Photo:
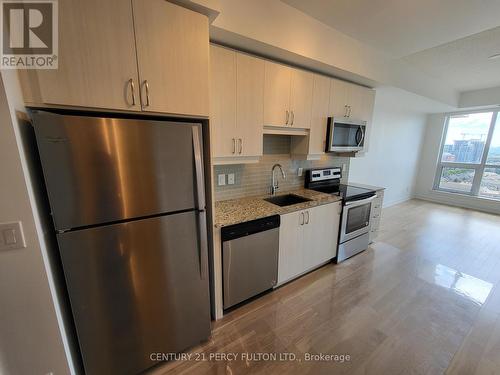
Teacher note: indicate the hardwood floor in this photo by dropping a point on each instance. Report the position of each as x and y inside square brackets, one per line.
[424, 299]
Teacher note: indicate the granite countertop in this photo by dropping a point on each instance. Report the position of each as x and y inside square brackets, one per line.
[234, 211]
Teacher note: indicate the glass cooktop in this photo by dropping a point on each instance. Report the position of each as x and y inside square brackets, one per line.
[347, 192]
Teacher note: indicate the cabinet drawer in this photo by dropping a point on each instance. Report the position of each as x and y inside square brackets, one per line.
[376, 212]
[373, 235]
[375, 224]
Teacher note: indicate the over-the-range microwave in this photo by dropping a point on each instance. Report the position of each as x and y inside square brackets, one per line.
[345, 135]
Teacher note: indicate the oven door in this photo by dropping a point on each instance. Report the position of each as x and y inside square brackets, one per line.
[356, 219]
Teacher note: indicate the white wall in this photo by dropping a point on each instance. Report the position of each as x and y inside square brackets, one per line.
[480, 98]
[395, 142]
[427, 171]
[31, 340]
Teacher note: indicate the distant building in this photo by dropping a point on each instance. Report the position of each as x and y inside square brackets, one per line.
[468, 151]
[464, 151]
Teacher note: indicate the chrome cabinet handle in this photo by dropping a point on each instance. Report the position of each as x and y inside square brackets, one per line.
[303, 220]
[241, 146]
[234, 145]
[345, 110]
[146, 85]
[293, 118]
[132, 89]
[307, 221]
[287, 116]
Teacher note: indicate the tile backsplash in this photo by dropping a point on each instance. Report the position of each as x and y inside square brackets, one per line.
[255, 179]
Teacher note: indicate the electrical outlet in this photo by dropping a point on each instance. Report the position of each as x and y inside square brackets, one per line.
[11, 236]
[230, 179]
[221, 179]
[299, 171]
[344, 167]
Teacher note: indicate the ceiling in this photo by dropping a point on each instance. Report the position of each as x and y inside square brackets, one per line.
[464, 63]
[450, 40]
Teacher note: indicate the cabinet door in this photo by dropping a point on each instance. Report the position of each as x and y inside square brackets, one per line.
[223, 101]
[301, 99]
[361, 100]
[339, 98]
[368, 102]
[97, 61]
[250, 104]
[319, 115]
[173, 58]
[321, 234]
[277, 84]
[290, 249]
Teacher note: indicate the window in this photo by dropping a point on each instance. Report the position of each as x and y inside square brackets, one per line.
[469, 162]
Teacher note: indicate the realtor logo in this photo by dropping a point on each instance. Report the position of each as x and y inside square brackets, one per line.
[29, 34]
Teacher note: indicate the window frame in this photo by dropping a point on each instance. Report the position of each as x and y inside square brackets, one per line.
[478, 168]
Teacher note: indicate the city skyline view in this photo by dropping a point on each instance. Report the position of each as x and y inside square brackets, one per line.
[465, 143]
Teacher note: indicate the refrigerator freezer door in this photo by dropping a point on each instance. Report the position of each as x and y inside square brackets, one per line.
[100, 170]
[135, 289]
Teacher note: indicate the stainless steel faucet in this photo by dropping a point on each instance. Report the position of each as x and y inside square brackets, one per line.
[274, 182]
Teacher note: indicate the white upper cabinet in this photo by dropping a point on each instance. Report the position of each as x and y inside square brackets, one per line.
[277, 84]
[172, 55]
[223, 101]
[301, 96]
[236, 105]
[126, 55]
[287, 96]
[313, 145]
[339, 98]
[362, 100]
[351, 101]
[249, 105]
[97, 60]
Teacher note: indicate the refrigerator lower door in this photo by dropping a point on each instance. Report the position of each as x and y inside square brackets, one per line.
[101, 170]
[136, 288]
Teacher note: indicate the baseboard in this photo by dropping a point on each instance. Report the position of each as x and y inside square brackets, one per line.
[485, 206]
[397, 201]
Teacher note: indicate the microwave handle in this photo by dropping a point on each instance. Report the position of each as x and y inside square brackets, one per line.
[362, 136]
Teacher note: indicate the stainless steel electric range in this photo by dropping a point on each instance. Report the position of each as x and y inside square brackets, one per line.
[356, 211]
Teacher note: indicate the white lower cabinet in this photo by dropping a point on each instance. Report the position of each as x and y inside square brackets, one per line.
[308, 238]
[376, 214]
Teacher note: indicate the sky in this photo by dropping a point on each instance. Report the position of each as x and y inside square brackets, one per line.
[473, 126]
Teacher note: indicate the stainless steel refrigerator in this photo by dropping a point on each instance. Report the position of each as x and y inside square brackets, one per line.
[128, 203]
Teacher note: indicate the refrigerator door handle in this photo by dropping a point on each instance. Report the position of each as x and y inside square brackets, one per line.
[202, 221]
[198, 164]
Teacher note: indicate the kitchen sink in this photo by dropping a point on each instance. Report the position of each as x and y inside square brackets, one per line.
[286, 200]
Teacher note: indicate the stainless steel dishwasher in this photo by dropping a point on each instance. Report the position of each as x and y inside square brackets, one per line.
[249, 259]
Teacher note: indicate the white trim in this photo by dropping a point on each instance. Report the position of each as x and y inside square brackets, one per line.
[460, 200]
[478, 168]
[397, 201]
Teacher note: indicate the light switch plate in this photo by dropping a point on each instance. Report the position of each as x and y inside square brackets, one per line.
[11, 236]
[221, 179]
[299, 171]
[230, 179]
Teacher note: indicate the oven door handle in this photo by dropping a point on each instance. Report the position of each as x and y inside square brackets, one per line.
[360, 202]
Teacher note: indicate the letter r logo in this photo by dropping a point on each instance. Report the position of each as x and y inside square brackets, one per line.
[27, 27]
